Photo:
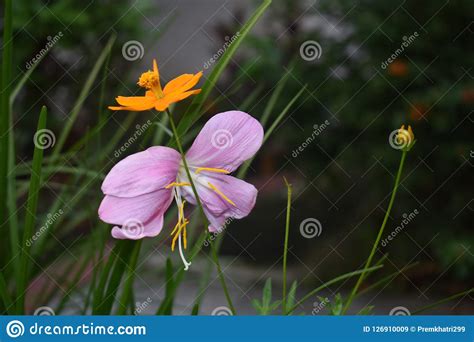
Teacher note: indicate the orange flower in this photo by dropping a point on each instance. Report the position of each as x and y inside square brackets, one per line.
[156, 97]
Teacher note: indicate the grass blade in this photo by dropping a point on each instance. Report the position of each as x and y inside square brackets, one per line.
[194, 111]
[5, 122]
[285, 248]
[82, 97]
[330, 282]
[30, 215]
[127, 293]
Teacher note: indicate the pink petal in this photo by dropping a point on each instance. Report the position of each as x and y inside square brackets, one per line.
[133, 230]
[142, 172]
[140, 209]
[217, 209]
[226, 141]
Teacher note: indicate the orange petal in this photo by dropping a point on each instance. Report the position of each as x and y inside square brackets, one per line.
[182, 83]
[136, 103]
[175, 97]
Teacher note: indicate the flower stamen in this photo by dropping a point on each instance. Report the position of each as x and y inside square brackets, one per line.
[211, 169]
[213, 187]
[177, 184]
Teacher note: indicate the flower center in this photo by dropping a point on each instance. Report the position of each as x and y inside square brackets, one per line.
[150, 80]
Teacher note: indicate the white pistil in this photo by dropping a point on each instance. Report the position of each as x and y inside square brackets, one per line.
[185, 262]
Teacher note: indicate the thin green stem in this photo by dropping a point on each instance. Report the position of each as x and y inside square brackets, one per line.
[221, 277]
[329, 283]
[457, 295]
[198, 202]
[379, 236]
[285, 249]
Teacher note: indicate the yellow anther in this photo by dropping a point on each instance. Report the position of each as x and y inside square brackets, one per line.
[149, 80]
[211, 169]
[180, 227]
[221, 194]
[177, 184]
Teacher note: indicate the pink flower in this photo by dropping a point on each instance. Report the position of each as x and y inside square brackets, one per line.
[140, 188]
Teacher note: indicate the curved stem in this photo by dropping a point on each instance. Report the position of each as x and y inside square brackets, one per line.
[285, 248]
[379, 236]
[198, 202]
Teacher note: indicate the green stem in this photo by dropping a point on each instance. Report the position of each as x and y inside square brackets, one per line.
[221, 277]
[127, 293]
[198, 202]
[457, 295]
[329, 283]
[285, 249]
[379, 236]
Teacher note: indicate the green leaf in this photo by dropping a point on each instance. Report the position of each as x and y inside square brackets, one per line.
[127, 293]
[194, 111]
[30, 214]
[85, 92]
[333, 281]
[5, 124]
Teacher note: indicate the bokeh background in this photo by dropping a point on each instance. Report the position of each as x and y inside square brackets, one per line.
[342, 178]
